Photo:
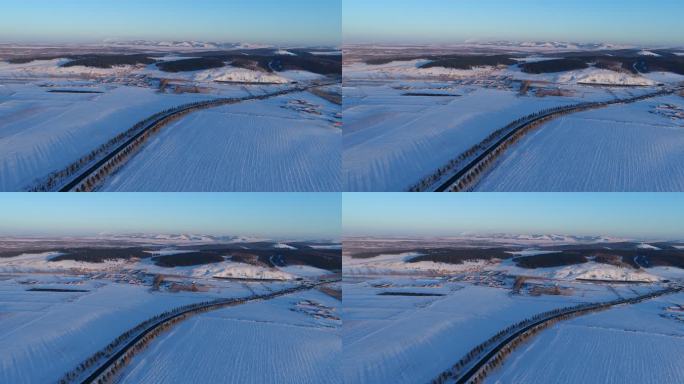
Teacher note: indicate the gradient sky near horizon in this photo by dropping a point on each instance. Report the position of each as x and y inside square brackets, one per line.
[275, 215]
[297, 22]
[653, 22]
[633, 215]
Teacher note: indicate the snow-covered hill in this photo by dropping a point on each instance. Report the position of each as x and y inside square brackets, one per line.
[602, 76]
[182, 45]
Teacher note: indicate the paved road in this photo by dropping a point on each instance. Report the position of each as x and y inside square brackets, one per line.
[93, 377]
[444, 187]
[472, 372]
[642, 261]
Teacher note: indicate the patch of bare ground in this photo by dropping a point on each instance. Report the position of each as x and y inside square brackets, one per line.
[555, 290]
[335, 293]
[333, 97]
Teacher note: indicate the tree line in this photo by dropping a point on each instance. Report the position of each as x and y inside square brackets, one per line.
[515, 128]
[544, 320]
[149, 329]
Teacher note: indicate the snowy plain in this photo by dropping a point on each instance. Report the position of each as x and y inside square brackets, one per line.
[261, 342]
[45, 334]
[402, 122]
[41, 131]
[51, 116]
[620, 148]
[409, 339]
[627, 344]
[407, 322]
[252, 146]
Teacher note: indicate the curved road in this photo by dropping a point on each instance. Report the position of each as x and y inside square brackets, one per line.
[82, 176]
[472, 372]
[93, 377]
[86, 173]
[445, 186]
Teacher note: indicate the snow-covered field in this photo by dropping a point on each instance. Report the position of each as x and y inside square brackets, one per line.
[288, 143]
[592, 76]
[44, 129]
[55, 314]
[276, 341]
[630, 344]
[392, 140]
[395, 134]
[397, 264]
[410, 339]
[45, 334]
[620, 148]
[43, 262]
[41, 132]
[407, 322]
[587, 271]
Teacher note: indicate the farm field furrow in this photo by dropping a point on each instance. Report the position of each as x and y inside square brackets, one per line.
[621, 148]
[629, 344]
[253, 146]
[268, 344]
[48, 333]
[41, 132]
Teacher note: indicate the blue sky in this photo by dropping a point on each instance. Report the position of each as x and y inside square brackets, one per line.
[288, 215]
[637, 215]
[315, 22]
[652, 22]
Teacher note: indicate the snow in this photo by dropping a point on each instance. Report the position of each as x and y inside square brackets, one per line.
[326, 53]
[169, 252]
[41, 262]
[500, 45]
[53, 68]
[619, 148]
[644, 52]
[627, 344]
[647, 246]
[399, 264]
[239, 75]
[261, 342]
[283, 246]
[503, 239]
[45, 334]
[531, 252]
[410, 69]
[41, 132]
[596, 271]
[587, 76]
[241, 271]
[304, 271]
[404, 339]
[393, 141]
[177, 238]
[664, 77]
[603, 76]
[667, 272]
[251, 146]
[300, 76]
[284, 52]
[331, 246]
